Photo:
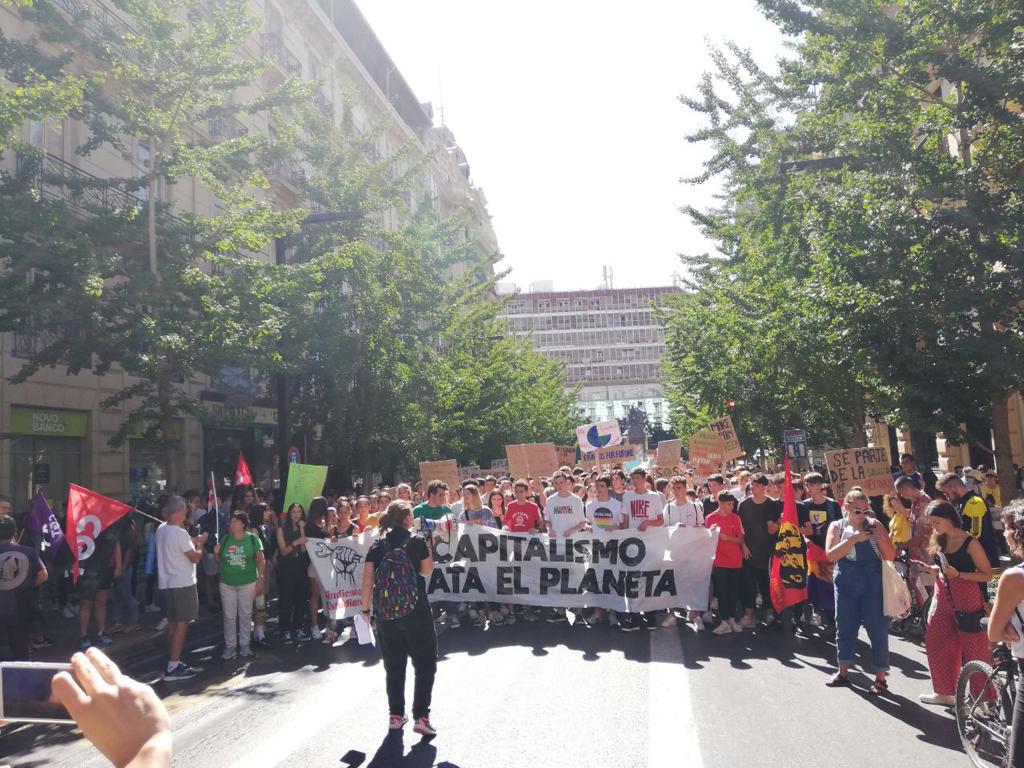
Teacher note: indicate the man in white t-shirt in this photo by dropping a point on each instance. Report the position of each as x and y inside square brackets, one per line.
[642, 507]
[563, 513]
[604, 513]
[177, 554]
[564, 509]
[684, 509]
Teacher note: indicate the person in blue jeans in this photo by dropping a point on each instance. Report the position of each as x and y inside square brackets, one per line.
[858, 544]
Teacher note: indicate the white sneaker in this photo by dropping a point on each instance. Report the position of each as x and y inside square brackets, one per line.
[315, 632]
[152, 608]
[698, 625]
[736, 626]
[747, 622]
[613, 619]
[725, 628]
[937, 699]
[161, 626]
[67, 612]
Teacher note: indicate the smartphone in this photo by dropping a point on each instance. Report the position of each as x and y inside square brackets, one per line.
[26, 693]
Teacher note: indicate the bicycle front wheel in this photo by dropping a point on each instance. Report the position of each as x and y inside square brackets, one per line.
[981, 692]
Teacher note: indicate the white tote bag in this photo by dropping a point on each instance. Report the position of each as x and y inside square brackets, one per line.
[895, 595]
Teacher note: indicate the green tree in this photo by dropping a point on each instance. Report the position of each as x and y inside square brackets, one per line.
[917, 230]
[163, 298]
[33, 86]
[400, 357]
[751, 324]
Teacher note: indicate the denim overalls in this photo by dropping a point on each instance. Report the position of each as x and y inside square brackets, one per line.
[858, 590]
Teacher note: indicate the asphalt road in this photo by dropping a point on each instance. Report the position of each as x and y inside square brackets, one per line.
[551, 696]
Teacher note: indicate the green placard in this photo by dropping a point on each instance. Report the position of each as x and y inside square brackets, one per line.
[44, 422]
[304, 482]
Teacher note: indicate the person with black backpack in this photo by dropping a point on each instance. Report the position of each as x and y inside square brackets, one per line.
[394, 585]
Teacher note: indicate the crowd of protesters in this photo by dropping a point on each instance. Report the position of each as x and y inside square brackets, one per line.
[233, 558]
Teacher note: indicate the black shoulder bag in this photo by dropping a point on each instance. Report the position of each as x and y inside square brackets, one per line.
[966, 621]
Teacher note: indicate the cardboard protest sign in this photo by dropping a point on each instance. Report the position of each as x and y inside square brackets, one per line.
[707, 451]
[446, 470]
[566, 455]
[304, 482]
[618, 454]
[669, 453]
[532, 459]
[724, 427]
[867, 468]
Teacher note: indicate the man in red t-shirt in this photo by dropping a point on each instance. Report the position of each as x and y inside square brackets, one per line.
[522, 515]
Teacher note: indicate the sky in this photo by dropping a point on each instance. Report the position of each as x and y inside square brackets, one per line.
[568, 112]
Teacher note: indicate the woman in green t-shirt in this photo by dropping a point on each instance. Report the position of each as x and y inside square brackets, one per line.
[242, 577]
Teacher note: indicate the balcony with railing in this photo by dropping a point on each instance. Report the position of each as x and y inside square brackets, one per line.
[272, 46]
[227, 127]
[57, 179]
[98, 21]
[324, 105]
[33, 340]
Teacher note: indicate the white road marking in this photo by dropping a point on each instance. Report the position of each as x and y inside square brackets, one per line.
[672, 736]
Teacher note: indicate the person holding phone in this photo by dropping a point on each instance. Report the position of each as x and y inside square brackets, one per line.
[857, 545]
[963, 571]
[21, 571]
[178, 554]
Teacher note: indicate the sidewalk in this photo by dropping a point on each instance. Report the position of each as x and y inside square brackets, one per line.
[136, 652]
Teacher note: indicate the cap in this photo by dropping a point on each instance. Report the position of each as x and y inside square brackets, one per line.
[8, 528]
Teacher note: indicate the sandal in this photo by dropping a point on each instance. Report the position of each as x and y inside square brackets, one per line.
[838, 681]
[878, 688]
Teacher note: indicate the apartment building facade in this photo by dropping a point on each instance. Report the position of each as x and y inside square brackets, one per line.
[610, 341]
[53, 429]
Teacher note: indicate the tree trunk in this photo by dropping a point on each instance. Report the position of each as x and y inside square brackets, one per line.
[168, 441]
[857, 416]
[1003, 450]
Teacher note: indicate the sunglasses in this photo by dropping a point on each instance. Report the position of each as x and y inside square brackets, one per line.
[859, 511]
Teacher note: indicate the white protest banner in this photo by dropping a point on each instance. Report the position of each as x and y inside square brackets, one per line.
[727, 431]
[468, 473]
[339, 567]
[601, 434]
[621, 570]
[867, 468]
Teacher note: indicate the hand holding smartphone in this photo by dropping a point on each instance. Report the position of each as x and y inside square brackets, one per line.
[26, 692]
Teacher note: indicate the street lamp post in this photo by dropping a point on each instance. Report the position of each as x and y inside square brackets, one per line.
[283, 420]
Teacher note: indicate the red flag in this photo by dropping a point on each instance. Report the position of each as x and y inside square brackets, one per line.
[789, 562]
[242, 474]
[89, 514]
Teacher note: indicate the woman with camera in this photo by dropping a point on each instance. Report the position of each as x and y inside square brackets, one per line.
[1004, 624]
[955, 634]
[858, 544]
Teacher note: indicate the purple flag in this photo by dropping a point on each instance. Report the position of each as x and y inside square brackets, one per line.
[42, 519]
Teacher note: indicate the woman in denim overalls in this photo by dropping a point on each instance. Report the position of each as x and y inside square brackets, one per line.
[857, 544]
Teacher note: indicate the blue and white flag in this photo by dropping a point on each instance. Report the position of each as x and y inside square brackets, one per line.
[602, 434]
